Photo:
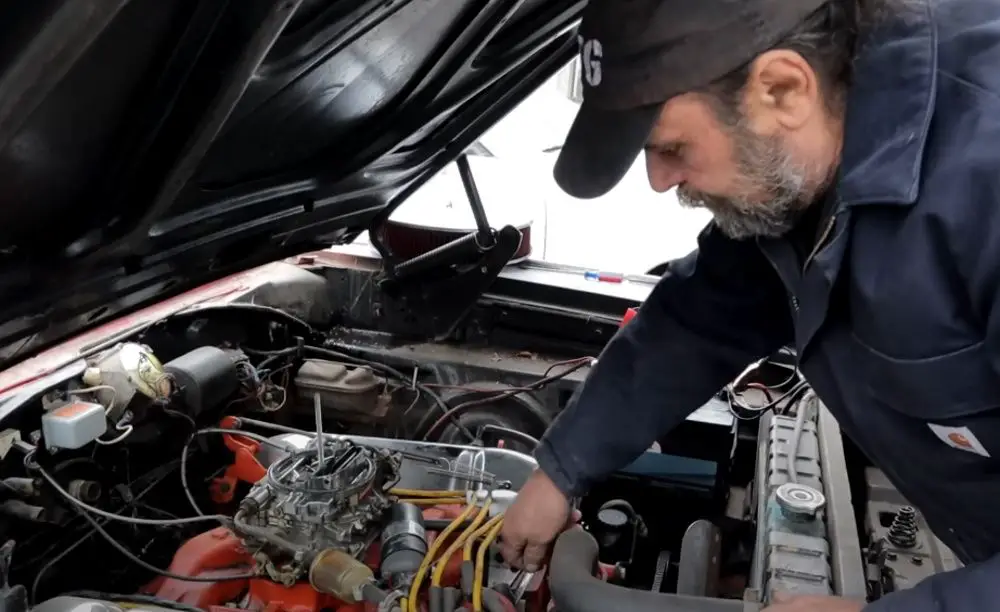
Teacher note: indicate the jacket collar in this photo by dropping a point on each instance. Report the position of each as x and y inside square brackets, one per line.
[889, 109]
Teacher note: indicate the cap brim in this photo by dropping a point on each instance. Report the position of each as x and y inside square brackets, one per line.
[601, 147]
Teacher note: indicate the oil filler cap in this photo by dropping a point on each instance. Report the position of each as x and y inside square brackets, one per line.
[799, 500]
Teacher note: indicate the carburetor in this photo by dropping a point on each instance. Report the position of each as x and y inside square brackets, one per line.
[331, 495]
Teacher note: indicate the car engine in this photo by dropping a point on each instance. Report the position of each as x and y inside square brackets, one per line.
[324, 497]
[220, 466]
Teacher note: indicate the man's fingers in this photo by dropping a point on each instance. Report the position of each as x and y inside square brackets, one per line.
[783, 602]
[534, 554]
[512, 550]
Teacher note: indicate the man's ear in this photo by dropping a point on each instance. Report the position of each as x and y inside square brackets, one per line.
[782, 92]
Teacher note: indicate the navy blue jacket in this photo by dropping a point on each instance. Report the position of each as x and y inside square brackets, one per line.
[895, 316]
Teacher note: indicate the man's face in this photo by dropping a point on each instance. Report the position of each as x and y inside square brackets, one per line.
[755, 169]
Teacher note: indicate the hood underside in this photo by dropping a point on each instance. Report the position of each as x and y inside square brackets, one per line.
[149, 146]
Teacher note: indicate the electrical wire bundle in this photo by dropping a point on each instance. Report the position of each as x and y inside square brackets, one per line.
[442, 599]
[385, 370]
[479, 530]
[123, 425]
[777, 396]
[145, 485]
[257, 383]
[452, 414]
[88, 512]
[446, 414]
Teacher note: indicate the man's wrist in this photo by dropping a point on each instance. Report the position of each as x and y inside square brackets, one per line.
[570, 485]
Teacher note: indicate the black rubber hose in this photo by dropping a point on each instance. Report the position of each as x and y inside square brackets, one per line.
[373, 594]
[452, 598]
[441, 524]
[468, 569]
[575, 588]
[436, 599]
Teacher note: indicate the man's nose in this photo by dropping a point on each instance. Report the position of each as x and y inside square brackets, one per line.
[663, 176]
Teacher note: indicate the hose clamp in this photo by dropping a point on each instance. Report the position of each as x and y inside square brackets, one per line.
[390, 602]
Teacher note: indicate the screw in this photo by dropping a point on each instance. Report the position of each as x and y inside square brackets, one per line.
[891, 556]
[917, 561]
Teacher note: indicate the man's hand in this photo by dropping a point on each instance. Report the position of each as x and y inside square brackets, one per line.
[537, 516]
[781, 602]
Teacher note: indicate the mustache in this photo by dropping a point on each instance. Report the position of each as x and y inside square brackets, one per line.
[741, 218]
[692, 198]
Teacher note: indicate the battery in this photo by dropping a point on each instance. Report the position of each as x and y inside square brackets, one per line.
[73, 425]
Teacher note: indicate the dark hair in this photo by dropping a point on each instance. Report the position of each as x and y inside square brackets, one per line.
[827, 39]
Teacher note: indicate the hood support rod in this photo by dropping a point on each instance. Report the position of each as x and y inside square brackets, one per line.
[486, 237]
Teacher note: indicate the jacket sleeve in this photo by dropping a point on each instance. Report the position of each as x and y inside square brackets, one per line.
[971, 589]
[714, 312]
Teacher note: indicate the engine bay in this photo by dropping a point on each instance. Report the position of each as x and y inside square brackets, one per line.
[233, 458]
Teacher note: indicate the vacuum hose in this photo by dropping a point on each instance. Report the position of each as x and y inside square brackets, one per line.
[575, 588]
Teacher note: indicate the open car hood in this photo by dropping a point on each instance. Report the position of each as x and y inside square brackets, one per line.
[150, 146]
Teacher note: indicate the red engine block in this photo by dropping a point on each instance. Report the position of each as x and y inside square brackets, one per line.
[219, 553]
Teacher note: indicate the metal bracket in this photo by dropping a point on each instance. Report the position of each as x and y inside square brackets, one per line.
[431, 293]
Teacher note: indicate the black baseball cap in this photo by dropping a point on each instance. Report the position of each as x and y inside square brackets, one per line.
[637, 54]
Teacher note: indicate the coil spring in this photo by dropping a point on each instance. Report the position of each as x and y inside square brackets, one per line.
[903, 531]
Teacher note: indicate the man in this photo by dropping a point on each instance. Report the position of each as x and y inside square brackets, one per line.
[850, 153]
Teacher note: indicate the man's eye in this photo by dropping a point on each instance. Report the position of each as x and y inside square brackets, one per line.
[672, 150]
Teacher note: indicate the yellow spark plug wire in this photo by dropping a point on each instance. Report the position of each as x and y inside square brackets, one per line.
[442, 564]
[477, 582]
[425, 493]
[431, 552]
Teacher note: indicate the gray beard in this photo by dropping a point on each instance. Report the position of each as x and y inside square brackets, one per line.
[742, 220]
[766, 169]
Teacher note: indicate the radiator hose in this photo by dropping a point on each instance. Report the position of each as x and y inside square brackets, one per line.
[575, 588]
